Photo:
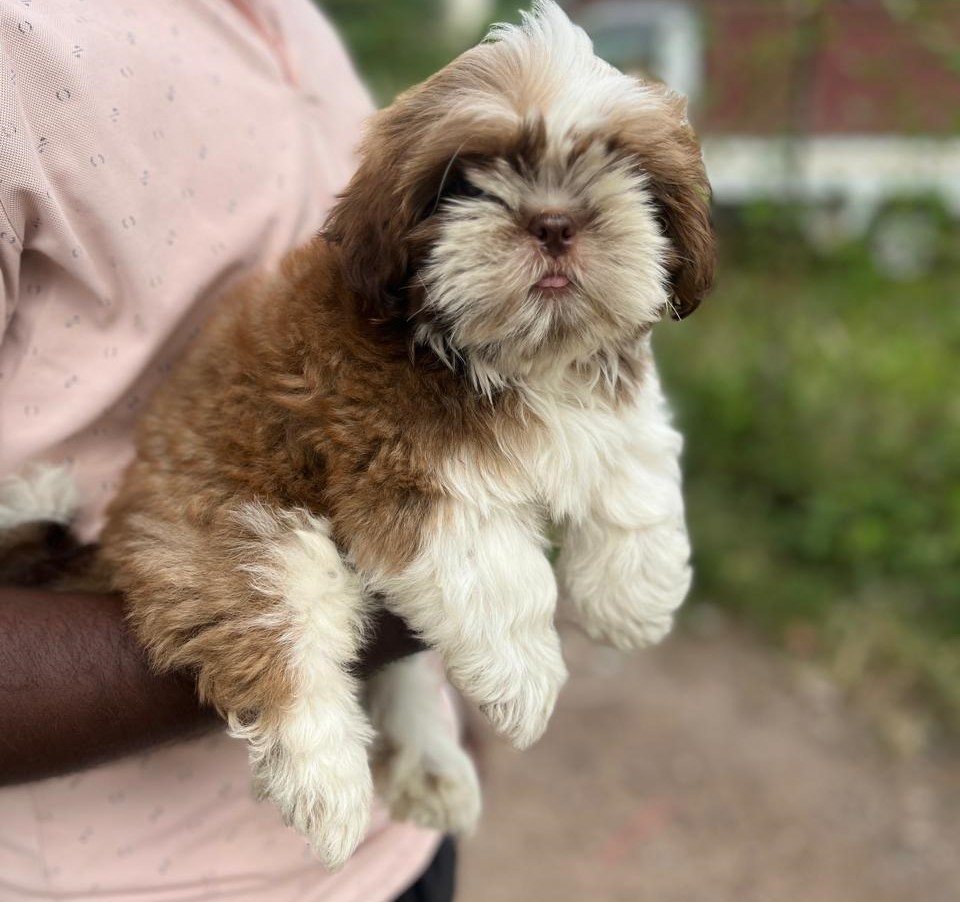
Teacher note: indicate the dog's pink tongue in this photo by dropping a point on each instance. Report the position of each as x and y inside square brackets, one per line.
[553, 282]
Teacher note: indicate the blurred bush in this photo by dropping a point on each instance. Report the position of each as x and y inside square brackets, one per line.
[396, 44]
[822, 417]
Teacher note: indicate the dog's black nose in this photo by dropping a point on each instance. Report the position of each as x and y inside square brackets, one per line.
[554, 230]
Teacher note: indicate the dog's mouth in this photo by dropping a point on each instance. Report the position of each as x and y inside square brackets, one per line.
[554, 282]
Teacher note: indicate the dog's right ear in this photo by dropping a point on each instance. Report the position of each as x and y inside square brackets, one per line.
[371, 219]
[660, 138]
[409, 150]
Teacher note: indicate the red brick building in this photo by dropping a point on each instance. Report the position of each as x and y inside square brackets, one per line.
[820, 66]
[850, 108]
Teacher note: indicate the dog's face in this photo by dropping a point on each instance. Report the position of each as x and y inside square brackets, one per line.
[528, 201]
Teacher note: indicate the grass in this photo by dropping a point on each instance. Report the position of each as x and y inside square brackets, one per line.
[822, 414]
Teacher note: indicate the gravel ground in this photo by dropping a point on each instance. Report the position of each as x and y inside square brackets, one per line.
[711, 769]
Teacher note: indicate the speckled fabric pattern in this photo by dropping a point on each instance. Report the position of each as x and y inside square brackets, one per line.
[152, 154]
[179, 824]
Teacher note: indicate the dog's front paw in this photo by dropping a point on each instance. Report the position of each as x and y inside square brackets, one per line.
[435, 787]
[325, 794]
[518, 700]
[630, 629]
[627, 593]
[522, 716]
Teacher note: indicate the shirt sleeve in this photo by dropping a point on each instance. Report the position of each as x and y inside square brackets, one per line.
[10, 247]
[12, 136]
[326, 75]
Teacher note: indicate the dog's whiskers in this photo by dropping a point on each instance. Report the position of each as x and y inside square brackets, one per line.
[446, 172]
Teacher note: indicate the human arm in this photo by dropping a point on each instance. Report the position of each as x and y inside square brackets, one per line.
[76, 690]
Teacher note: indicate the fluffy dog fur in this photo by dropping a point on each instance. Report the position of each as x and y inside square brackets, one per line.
[396, 415]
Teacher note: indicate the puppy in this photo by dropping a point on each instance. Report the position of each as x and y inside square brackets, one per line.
[395, 417]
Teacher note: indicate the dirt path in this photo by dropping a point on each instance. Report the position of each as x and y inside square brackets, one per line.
[710, 769]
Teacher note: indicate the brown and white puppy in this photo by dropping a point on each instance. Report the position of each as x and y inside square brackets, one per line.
[398, 413]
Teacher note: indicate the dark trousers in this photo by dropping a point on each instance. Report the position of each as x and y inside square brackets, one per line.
[437, 882]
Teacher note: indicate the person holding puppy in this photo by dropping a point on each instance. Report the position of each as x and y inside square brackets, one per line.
[151, 157]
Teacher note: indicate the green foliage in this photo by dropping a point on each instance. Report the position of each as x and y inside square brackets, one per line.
[393, 44]
[396, 44]
[880, 656]
[822, 417]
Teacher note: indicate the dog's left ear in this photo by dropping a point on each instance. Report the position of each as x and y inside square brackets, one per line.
[374, 215]
[669, 154]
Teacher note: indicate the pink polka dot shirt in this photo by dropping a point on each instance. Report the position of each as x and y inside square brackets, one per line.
[152, 153]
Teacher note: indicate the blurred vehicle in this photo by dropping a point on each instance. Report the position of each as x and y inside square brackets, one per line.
[846, 111]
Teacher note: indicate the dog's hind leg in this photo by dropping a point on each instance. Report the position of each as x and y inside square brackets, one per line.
[258, 604]
[422, 773]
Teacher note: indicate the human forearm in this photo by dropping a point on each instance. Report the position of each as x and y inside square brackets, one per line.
[76, 690]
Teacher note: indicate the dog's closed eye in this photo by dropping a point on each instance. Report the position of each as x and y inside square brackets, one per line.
[461, 186]
[456, 185]
[466, 188]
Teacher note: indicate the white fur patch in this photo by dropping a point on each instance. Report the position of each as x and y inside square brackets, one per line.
[584, 89]
[625, 561]
[312, 762]
[576, 440]
[40, 492]
[425, 776]
[611, 478]
[483, 594]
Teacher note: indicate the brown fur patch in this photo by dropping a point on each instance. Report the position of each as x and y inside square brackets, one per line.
[407, 151]
[291, 397]
[664, 145]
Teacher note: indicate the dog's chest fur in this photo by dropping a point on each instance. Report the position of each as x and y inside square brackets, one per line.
[555, 459]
